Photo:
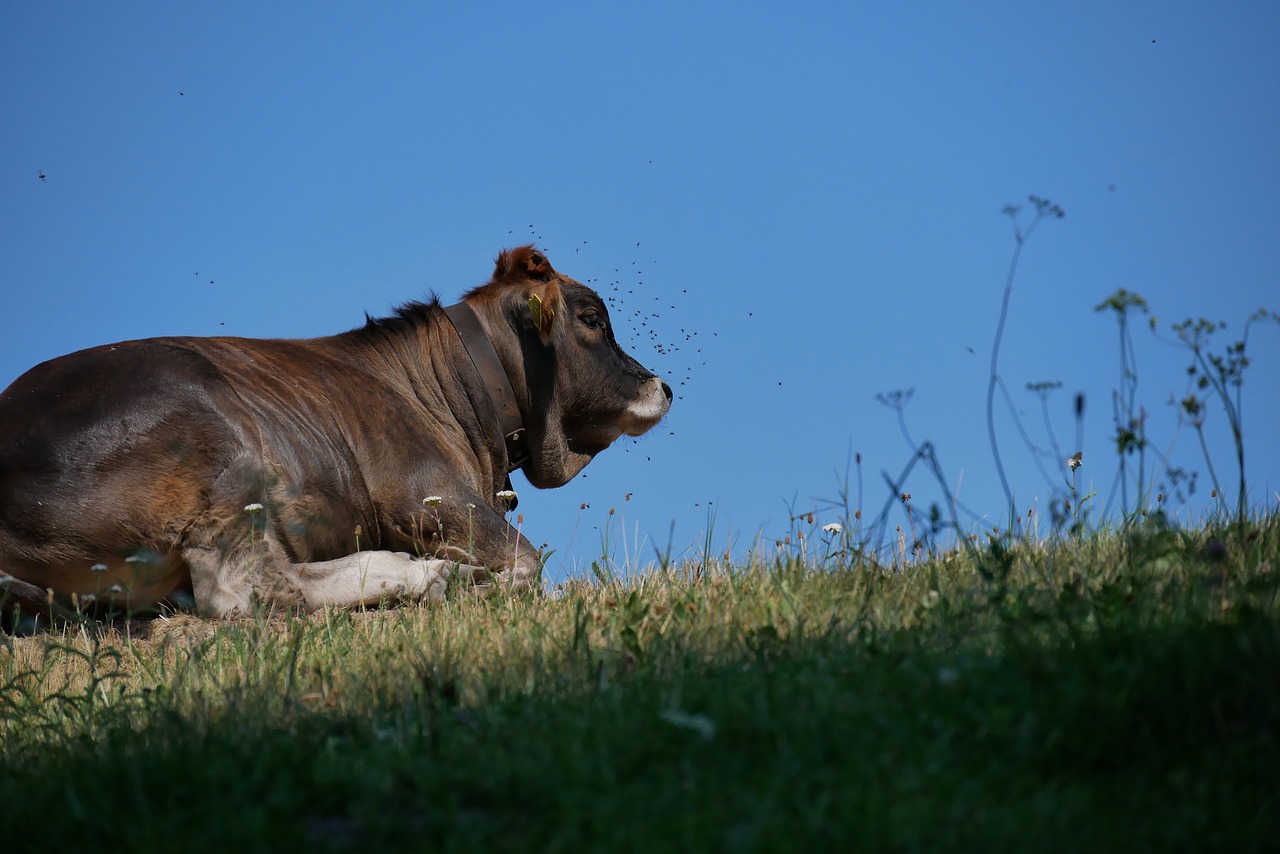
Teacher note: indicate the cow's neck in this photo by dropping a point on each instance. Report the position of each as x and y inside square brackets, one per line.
[494, 379]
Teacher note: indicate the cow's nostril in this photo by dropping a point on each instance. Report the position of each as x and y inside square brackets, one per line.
[666, 389]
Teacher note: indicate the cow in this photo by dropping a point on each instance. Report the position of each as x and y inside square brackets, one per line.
[356, 469]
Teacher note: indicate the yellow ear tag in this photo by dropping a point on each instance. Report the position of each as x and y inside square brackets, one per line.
[535, 309]
[541, 319]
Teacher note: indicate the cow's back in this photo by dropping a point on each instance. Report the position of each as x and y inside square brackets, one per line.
[113, 448]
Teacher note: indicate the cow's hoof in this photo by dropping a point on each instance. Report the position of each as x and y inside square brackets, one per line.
[469, 575]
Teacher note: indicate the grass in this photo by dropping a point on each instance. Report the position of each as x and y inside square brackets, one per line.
[1106, 688]
[1119, 690]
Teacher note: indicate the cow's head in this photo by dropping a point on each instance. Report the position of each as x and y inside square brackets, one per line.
[576, 388]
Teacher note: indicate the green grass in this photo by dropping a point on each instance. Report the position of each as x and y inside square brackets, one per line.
[1119, 691]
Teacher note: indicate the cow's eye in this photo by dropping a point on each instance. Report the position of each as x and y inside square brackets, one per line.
[593, 320]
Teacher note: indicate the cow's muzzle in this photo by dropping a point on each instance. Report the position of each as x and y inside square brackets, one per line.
[647, 409]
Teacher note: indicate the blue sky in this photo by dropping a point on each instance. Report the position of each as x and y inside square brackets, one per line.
[808, 200]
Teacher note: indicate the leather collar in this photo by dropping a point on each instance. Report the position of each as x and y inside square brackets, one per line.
[494, 379]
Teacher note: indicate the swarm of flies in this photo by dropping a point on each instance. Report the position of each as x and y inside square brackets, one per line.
[647, 318]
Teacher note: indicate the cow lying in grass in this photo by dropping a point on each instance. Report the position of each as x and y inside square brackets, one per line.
[340, 471]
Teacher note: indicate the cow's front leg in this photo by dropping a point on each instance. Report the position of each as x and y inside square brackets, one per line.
[499, 556]
[364, 578]
[225, 585]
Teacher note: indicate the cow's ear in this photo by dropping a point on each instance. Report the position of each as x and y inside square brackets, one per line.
[523, 262]
[538, 267]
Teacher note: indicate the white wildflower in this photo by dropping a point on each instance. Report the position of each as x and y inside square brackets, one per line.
[255, 507]
[433, 501]
[99, 567]
[507, 495]
[833, 528]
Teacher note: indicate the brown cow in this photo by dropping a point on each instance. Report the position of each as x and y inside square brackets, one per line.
[351, 469]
